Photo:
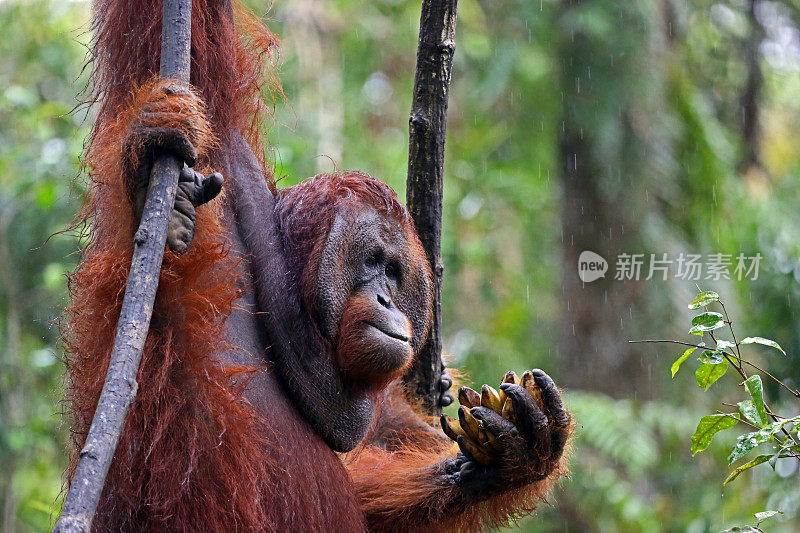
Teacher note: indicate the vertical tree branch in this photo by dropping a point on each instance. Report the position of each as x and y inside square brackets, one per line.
[428, 129]
[119, 390]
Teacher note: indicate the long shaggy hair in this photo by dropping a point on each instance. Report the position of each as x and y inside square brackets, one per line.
[231, 52]
[192, 450]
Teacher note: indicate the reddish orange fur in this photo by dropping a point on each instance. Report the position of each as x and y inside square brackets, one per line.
[194, 455]
[396, 491]
[306, 212]
[230, 51]
[192, 451]
[191, 404]
[184, 111]
[357, 358]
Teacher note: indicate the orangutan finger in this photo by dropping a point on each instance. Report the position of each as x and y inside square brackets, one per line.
[468, 397]
[558, 440]
[551, 399]
[493, 422]
[531, 421]
[473, 451]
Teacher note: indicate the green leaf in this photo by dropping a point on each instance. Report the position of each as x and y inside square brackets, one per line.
[750, 413]
[724, 345]
[703, 299]
[712, 357]
[763, 515]
[709, 426]
[707, 373]
[744, 444]
[757, 461]
[748, 441]
[708, 321]
[678, 362]
[775, 427]
[756, 390]
[742, 529]
[763, 342]
[774, 459]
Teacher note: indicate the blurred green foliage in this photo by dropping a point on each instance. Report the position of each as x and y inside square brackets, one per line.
[40, 142]
[347, 70]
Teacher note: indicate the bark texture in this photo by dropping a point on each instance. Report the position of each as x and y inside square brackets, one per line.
[424, 185]
[119, 390]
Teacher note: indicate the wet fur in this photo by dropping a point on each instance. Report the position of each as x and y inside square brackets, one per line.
[393, 473]
[194, 452]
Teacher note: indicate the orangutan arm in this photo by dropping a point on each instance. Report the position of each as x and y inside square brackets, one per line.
[501, 472]
[169, 118]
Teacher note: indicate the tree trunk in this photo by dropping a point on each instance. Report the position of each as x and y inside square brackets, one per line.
[428, 128]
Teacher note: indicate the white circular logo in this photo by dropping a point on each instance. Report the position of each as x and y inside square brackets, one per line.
[591, 266]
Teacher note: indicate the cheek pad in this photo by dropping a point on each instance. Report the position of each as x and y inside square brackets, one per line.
[334, 278]
[415, 301]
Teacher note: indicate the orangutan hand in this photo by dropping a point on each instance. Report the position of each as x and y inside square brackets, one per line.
[171, 120]
[511, 437]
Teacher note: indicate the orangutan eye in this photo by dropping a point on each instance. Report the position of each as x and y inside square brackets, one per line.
[393, 271]
[373, 259]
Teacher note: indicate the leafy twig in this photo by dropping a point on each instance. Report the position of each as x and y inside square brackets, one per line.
[733, 335]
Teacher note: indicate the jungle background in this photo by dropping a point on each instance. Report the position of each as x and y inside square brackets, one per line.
[675, 121]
